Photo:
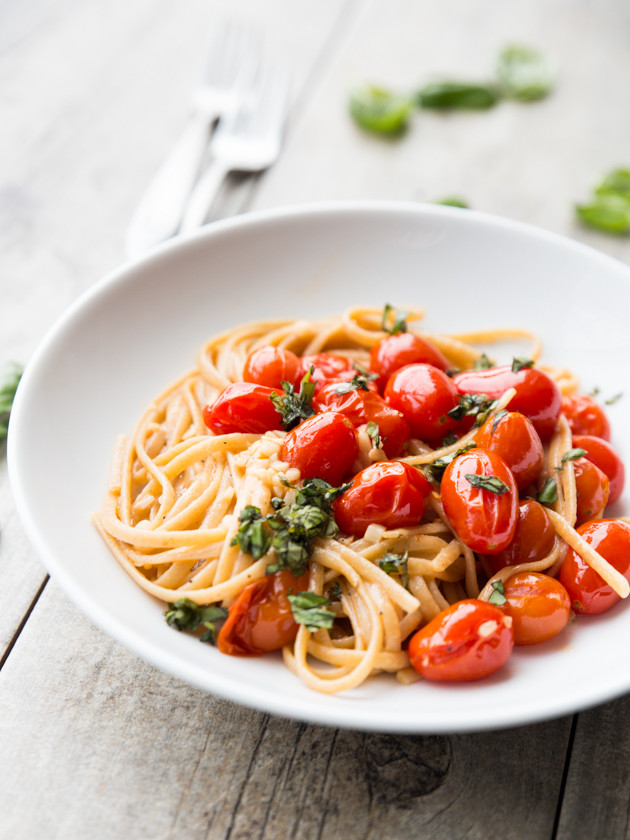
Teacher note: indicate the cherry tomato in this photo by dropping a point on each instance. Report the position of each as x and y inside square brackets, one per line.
[588, 591]
[592, 487]
[389, 493]
[260, 619]
[360, 407]
[396, 351]
[243, 407]
[539, 606]
[485, 521]
[328, 367]
[324, 446]
[537, 395]
[271, 366]
[602, 454]
[514, 438]
[585, 416]
[468, 641]
[424, 395]
[533, 539]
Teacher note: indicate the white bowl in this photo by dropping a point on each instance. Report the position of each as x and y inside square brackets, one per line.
[135, 331]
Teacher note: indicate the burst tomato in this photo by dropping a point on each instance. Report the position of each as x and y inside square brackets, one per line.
[395, 351]
[271, 366]
[324, 446]
[585, 416]
[484, 520]
[602, 454]
[589, 593]
[537, 395]
[539, 607]
[424, 395]
[360, 407]
[260, 619]
[514, 438]
[243, 407]
[389, 493]
[468, 641]
[592, 487]
[533, 538]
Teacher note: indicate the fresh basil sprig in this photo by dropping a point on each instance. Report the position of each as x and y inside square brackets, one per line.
[450, 95]
[9, 381]
[609, 209]
[310, 610]
[380, 111]
[524, 74]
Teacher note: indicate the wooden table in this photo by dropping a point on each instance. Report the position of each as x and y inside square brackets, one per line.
[93, 742]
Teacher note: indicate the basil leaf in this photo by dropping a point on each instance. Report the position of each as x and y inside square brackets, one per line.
[453, 201]
[393, 321]
[497, 596]
[520, 362]
[396, 564]
[310, 609]
[292, 407]
[613, 400]
[524, 74]
[487, 482]
[472, 405]
[357, 383]
[374, 434]
[380, 111]
[483, 363]
[549, 493]
[609, 213]
[9, 381]
[497, 419]
[185, 614]
[616, 182]
[572, 455]
[435, 470]
[252, 536]
[453, 94]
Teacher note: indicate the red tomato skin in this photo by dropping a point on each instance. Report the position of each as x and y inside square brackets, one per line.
[388, 493]
[324, 446]
[271, 366]
[485, 521]
[260, 619]
[585, 416]
[589, 593]
[360, 407]
[602, 454]
[328, 367]
[451, 648]
[424, 395]
[539, 607]
[242, 407]
[514, 438]
[537, 395]
[396, 351]
[592, 487]
[533, 538]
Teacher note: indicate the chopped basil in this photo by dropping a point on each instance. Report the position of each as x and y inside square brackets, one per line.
[594, 392]
[497, 419]
[393, 321]
[359, 382]
[449, 95]
[435, 470]
[252, 536]
[572, 455]
[520, 362]
[472, 405]
[613, 400]
[336, 592]
[487, 482]
[549, 493]
[453, 201]
[497, 596]
[380, 111]
[9, 381]
[292, 407]
[396, 564]
[483, 363]
[449, 439]
[523, 74]
[185, 614]
[374, 433]
[310, 609]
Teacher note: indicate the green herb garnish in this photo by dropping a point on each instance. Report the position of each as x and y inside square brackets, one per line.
[294, 407]
[310, 610]
[521, 362]
[487, 482]
[449, 95]
[472, 405]
[453, 201]
[374, 433]
[572, 455]
[497, 596]
[483, 363]
[359, 382]
[497, 419]
[524, 74]
[396, 564]
[435, 470]
[185, 614]
[612, 400]
[380, 111]
[616, 182]
[549, 493]
[393, 321]
[609, 213]
[252, 536]
[9, 381]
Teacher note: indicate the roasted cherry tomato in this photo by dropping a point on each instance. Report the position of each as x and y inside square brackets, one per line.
[539, 606]
[602, 454]
[588, 591]
[260, 619]
[396, 351]
[585, 416]
[361, 407]
[533, 539]
[389, 493]
[514, 438]
[537, 395]
[271, 366]
[328, 367]
[484, 520]
[243, 407]
[468, 641]
[424, 395]
[592, 487]
[324, 446]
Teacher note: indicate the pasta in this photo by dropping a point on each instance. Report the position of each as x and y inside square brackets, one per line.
[178, 490]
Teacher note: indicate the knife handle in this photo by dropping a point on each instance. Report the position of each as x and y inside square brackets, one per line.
[158, 215]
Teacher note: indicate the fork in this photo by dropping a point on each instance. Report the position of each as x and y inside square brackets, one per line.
[159, 212]
[247, 139]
